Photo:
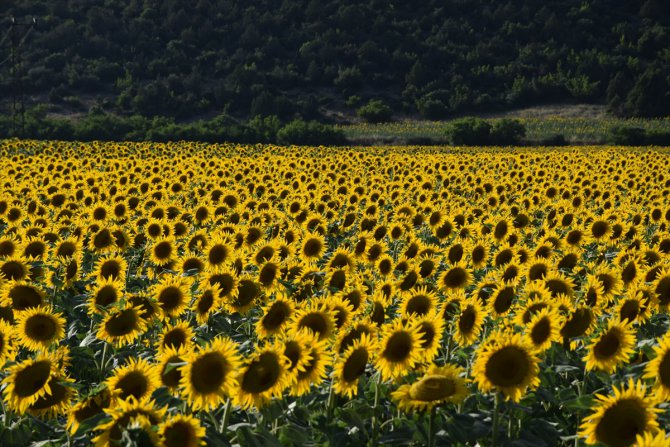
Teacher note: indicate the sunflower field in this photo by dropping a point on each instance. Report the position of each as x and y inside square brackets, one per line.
[187, 294]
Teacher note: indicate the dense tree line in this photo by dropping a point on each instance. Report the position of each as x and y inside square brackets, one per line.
[290, 58]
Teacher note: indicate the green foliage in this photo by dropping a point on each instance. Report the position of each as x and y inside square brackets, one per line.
[469, 131]
[301, 132]
[628, 136]
[507, 132]
[375, 111]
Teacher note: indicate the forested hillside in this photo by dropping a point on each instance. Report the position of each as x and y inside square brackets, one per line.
[309, 58]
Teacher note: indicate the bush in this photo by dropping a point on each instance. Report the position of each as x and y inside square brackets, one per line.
[658, 138]
[628, 136]
[301, 132]
[507, 132]
[375, 111]
[469, 132]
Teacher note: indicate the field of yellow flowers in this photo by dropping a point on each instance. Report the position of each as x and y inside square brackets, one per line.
[187, 294]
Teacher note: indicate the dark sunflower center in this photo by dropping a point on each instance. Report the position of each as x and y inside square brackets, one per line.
[170, 298]
[172, 377]
[110, 269]
[276, 316]
[340, 260]
[663, 290]
[24, 297]
[163, 250]
[608, 345]
[206, 301]
[354, 366]
[427, 332]
[122, 323]
[66, 249]
[180, 434]
[58, 394]
[32, 378]
[316, 322]
[578, 324]
[455, 278]
[262, 374]
[106, 296]
[398, 347]
[102, 239]
[467, 320]
[621, 423]
[246, 293]
[310, 365]
[419, 305]
[558, 286]
[312, 247]
[508, 367]
[629, 310]
[225, 281]
[503, 300]
[41, 327]
[268, 274]
[135, 384]
[541, 331]
[599, 228]
[217, 254]
[209, 372]
[174, 338]
[537, 271]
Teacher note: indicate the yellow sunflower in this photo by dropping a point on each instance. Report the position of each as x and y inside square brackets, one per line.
[39, 328]
[506, 363]
[122, 326]
[137, 379]
[181, 430]
[350, 365]
[263, 376]
[611, 348]
[659, 369]
[439, 385]
[209, 376]
[28, 381]
[617, 420]
[399, 349]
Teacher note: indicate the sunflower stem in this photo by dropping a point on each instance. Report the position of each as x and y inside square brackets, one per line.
[496, 420]
[431, 428]
[373, 438]
[226, 416]
[102, 361]
[331, 402]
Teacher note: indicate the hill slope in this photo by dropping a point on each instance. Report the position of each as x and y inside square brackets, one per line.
[290, 57]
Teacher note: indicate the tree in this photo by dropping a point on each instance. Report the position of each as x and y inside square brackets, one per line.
[375, 111]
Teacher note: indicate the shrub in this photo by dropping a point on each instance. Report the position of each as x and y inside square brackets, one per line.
[309, 133]
[469, 132]
[375, 111]
[507, 132]
[628, 136]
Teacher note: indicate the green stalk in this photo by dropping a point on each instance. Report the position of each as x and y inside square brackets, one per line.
[226, 416]
[331, 402]
[431, 428]
[496, 421]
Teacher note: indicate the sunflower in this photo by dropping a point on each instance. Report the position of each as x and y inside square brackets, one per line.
[350, 365]
[225, 279]
[317, 360]
[246, 295]
[7, 342]
[340, 258]
[67, 248]
[205, 304]
[169, 363]
[430, 329]
[14, 269]
[263, 376]
[112, 267]
[469, 320]
[312, 247]
[439, 385]
[130, 414]
[457, 276]
[177, 335]
[163, 251]
[352, 332]
[316, 319]
[502, 298]
[218, 251]
[190, 264]
[635, 306]
[122, 326]
[617, 420]
[659, 369]
[611, 348]
[137, 379]
[275, 317]
[506, 363]
[58, 401]
[579, 323]
[399, 349]
[21, 295]
[172, 296]
[210, 374]
[28, 381]
[661, 289]
[419, 302]
[102, 294]
[651, 439]
[543, 329]
[87, 408]
[181, 431]
[39, 328]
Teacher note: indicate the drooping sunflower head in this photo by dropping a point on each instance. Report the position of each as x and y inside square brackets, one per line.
[28, 381]
[21, 295]
[122, 326]
[350, 365]
[58, 401]
[14, 269]
[439, 385]
[469, 320]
